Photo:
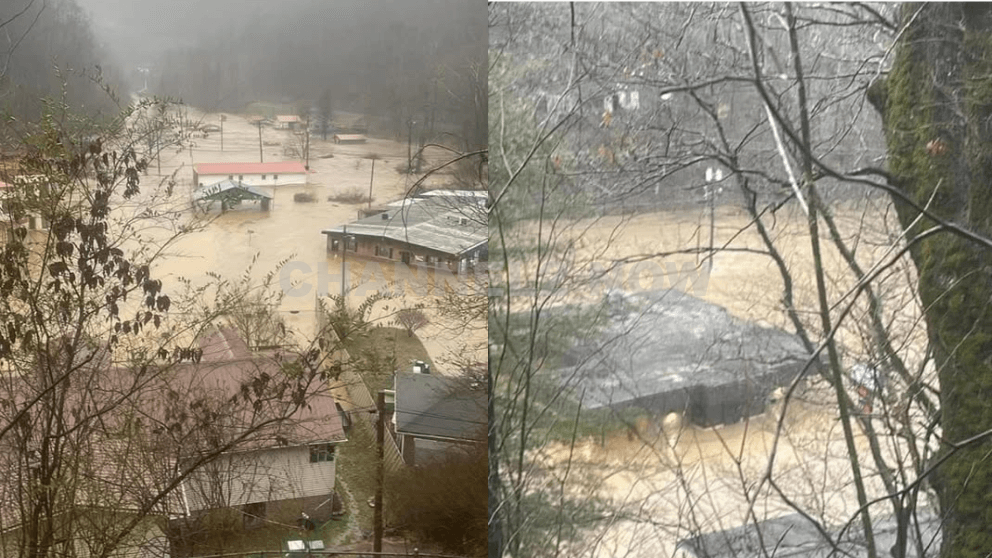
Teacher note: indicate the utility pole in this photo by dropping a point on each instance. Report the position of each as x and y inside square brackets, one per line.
[344, 256]
[433, 107]
[420, 152]
[222, 119]
[370, 182]
[306, 148]
[409, 145]
[158, 146]
[713, 177]
[260, 159]
[380, 405]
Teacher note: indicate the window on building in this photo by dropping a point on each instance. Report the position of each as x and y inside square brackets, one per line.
[254, 515]
[230, 177]
[263, 177]
[241, 177]
[275, 177]
[321, 452]
[390, 253]
[255, 509]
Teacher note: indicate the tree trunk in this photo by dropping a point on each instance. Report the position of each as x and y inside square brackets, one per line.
[495, 528]
[937, 110]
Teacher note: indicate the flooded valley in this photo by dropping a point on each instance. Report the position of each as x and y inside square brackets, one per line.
[228, 243]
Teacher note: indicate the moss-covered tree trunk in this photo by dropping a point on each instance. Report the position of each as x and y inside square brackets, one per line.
[937, 108]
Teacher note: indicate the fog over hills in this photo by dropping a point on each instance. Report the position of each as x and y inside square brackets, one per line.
[395, 60]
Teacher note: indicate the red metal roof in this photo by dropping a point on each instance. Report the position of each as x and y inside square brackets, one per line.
[282, 167]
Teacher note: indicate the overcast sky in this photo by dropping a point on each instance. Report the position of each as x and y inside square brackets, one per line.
[137, 31]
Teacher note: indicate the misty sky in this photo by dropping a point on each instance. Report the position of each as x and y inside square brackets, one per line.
[139, 31]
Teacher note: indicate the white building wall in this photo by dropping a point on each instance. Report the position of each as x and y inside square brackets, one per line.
[254, 179]
[259, 476]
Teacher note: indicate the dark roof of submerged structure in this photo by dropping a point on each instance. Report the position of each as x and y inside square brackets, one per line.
[667, 351]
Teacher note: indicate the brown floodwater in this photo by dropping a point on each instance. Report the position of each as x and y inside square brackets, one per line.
[668, 479]
[227, 243]
[671, 481]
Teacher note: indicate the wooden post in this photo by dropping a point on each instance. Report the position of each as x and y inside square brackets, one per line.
[380, 405]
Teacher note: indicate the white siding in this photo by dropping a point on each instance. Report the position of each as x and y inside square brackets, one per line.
[260, 476]
[255, 179]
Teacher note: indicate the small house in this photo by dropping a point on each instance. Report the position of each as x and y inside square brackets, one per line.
[443, 229]
[280, 173]
[287, 122]
[796, 535]
[349, 138]
[289, 472]
[435, 415]
[666, 351]
[230, 193]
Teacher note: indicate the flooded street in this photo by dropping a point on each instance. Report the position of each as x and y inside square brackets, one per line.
[291, 230]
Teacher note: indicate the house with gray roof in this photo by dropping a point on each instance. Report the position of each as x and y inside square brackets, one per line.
[434, 415]
[231, 193]
[442, 229]
[792, 536]
[667, 351]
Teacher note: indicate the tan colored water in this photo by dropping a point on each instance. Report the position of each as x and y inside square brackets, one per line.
[667, 481]
[291, 230]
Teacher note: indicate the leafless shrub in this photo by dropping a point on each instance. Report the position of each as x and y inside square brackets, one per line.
[411, 319]
[351, 195]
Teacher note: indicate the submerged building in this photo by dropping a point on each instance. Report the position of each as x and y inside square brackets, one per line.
[795, 536]
[667, 351]
[278, 173]
[437, 229]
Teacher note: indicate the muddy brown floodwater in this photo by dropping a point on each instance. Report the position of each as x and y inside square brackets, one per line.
[291, 230]
[668, 480]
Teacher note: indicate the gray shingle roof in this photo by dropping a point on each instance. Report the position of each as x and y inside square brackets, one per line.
[453, 223]
[440, 407]
[666, 349]
[793, 536]
[245, 190]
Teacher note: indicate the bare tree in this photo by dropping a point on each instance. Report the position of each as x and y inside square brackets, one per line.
[98, 434]
[767, 102]
[411, 319]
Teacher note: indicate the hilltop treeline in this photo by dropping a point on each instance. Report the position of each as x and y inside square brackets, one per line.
[47, 48]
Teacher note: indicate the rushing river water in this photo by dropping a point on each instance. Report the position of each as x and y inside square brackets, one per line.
[662, 482]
